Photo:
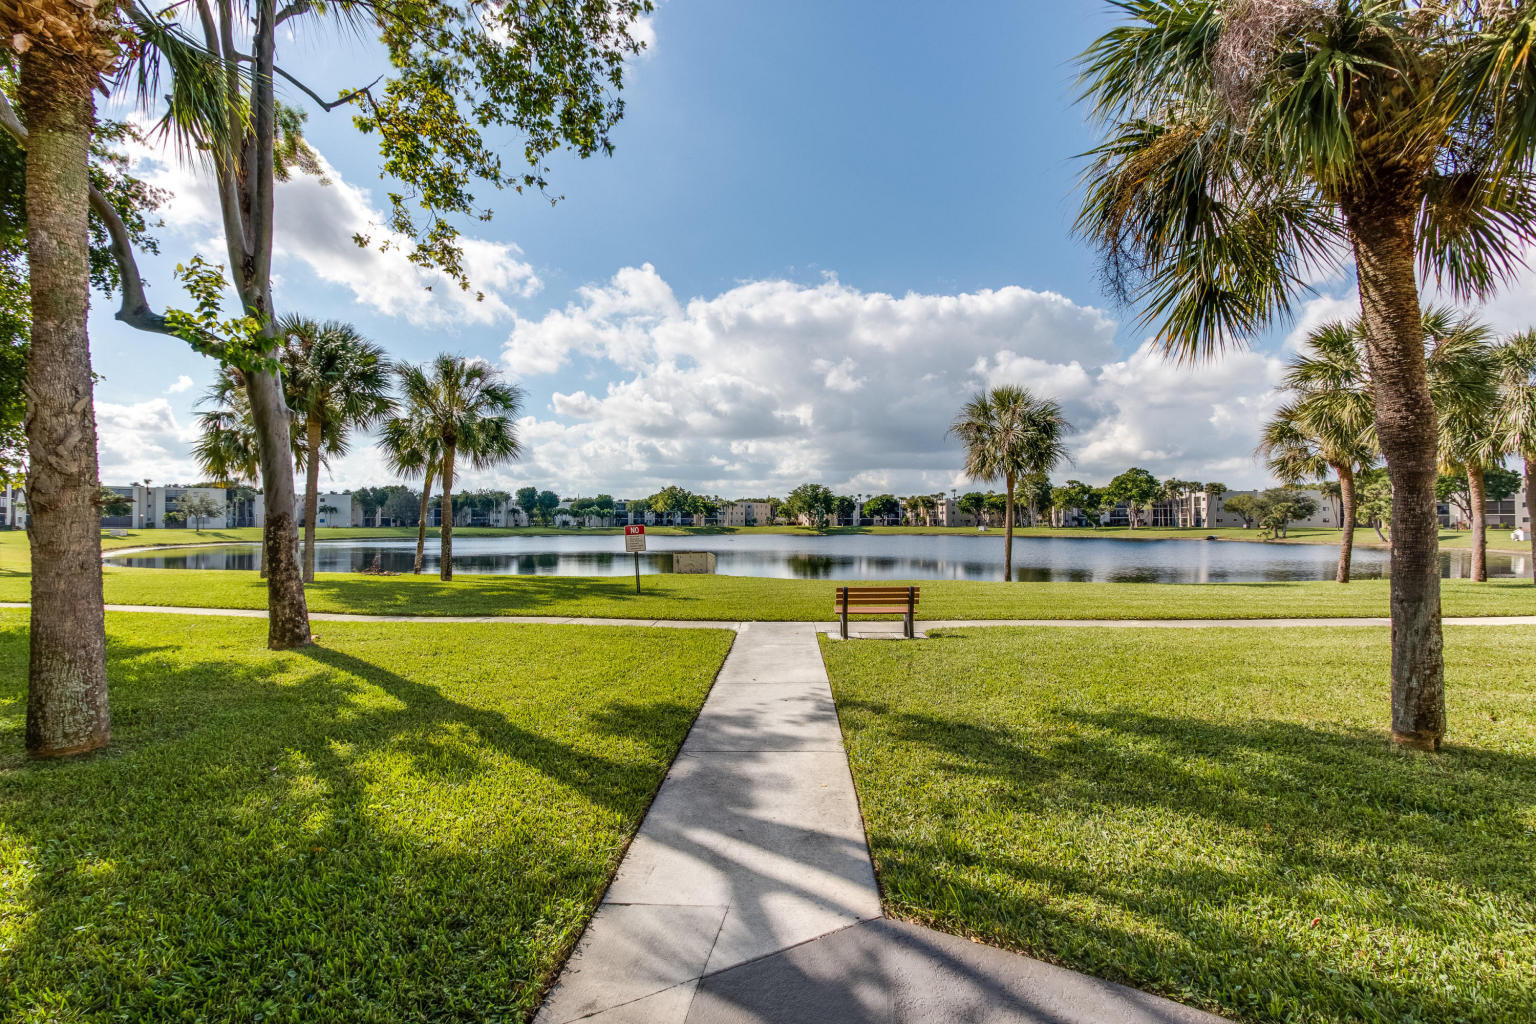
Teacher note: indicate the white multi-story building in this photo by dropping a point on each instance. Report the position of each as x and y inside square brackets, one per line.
[13, 507]
[1511, 513]
[341, 501]
[1327, 514]
[746, 513]
[159, 508]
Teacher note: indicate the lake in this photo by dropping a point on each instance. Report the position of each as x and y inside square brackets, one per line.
[850, 557]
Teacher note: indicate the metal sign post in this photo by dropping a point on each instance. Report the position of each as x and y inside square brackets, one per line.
[634, 542]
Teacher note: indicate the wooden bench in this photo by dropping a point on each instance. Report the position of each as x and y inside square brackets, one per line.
[876, 601]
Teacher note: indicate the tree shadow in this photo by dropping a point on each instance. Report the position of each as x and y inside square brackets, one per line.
[315, 836]
[1261, 867]
[490, 595]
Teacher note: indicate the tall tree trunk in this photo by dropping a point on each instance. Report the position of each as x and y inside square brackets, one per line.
[1477, 488]
[312, 441]
[1347, 521]
[67, 675]
[1008, 533]
[421, 525]
[287, 612]
[445, 534]
[251, 265]
[1383, 237]
[1530, 516]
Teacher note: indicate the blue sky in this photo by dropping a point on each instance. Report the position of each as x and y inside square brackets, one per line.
[825, 225]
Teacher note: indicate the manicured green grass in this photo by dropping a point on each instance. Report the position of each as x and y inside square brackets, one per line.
[1217, 816]
[406, 823]
[668, 596]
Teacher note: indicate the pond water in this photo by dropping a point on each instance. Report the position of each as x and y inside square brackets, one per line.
[850, 557]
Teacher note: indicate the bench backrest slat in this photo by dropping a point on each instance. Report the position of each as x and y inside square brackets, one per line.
[875, 595]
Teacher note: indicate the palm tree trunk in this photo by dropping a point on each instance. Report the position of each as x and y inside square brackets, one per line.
[67, 675]
[1383, 237]
[1347, 519]
[311, 493]
[287, 612]
[1530, 499]
[1478, 488]
[1008, 532]
[445, 568]
[421, 525]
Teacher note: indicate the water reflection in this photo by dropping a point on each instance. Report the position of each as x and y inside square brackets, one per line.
[872, 557]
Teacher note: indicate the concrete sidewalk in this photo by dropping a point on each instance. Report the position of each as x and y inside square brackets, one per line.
[748, 894]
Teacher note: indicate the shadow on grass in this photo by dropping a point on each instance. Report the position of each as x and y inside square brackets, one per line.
[500, 595]
[1266, 869]
[308, 837]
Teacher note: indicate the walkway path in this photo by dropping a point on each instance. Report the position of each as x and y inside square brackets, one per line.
[748, 894]
[868, 628]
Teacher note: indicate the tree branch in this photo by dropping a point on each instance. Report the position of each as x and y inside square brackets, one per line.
[365, 90]
[134, 309]
[293, 10]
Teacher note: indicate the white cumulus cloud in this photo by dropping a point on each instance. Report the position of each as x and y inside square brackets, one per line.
[773, 383]
[317, 219]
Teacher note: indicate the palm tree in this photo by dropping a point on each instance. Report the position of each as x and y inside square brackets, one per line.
[226, 446]
[1516, 360]
[337, 381]
[469, 409]
[1008, 434]
[411, 448]
[1329, 425]
[1250, 141]
[1463, 378]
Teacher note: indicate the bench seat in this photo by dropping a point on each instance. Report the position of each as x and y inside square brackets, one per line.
[876, 601]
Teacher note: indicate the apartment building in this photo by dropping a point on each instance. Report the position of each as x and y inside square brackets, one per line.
[13, 508]
[746, 513]
[159, 508]
[336, 508]
[1511, 513]
[1327, 514]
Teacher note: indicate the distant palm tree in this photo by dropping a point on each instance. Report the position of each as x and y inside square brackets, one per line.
[225, 449]
[1516, 359]
[1008, 434]
[336, 382]
[411, 448]
[471, 411]
[1329, 424]
[1463, 377]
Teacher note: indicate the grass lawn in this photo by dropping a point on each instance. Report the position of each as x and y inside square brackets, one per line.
[1215, 816]
[742, 598]
[408, 823]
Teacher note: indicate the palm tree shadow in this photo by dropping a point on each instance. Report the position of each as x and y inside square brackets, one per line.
[1289, 811]
[258, 827]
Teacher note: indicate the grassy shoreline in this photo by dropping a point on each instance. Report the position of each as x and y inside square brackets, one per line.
[737, 598]
[743, 598]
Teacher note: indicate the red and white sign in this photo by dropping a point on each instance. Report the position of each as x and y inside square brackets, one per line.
[634, 538]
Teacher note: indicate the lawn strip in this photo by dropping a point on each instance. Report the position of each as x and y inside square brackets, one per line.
[1216, 816]
[406, 822]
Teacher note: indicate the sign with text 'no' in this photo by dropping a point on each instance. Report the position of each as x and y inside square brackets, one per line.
[634, 538]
